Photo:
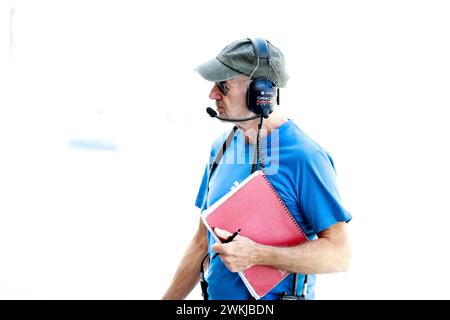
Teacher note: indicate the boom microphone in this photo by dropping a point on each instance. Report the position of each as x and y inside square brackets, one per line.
[213, 114]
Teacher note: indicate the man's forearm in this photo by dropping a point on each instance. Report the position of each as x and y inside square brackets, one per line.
[187, 274]
[317, 256]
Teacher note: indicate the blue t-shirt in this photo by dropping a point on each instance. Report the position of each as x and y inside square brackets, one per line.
[304, 176]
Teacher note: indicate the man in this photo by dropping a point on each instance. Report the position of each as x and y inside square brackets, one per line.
[299, 169]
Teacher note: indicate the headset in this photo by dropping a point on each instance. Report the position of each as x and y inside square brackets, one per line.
[262, 92]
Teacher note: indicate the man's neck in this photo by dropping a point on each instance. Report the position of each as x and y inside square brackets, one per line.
[250, 128]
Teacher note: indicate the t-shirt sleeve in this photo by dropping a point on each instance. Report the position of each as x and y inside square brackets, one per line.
[319, 197]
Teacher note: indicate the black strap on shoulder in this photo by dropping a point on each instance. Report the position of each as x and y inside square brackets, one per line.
[219, 155]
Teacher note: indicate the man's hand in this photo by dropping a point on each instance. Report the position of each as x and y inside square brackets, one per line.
[237, 255]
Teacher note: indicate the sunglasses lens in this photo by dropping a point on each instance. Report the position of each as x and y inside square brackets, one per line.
[222, 87]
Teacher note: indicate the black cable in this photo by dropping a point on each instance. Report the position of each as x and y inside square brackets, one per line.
[255, 164]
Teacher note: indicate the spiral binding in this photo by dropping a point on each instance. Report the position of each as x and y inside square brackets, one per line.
[294, 281]
[286, 209]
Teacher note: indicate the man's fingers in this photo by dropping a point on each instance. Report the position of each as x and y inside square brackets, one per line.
[218, 247]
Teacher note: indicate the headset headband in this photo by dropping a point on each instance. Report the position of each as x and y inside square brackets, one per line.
[261, 48]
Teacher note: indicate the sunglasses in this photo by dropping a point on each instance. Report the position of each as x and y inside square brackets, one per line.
[223, 87]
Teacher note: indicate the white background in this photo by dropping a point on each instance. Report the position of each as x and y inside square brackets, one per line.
[369, 81]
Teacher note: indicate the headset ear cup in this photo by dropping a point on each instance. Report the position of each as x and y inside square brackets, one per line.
[260, 96]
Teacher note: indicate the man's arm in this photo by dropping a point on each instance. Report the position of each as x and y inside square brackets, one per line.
[187, 274]
[329, 253]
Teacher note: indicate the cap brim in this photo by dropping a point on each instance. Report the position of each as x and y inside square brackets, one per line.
[216, 71]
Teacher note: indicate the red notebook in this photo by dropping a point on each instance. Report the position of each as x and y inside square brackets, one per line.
[255, 207]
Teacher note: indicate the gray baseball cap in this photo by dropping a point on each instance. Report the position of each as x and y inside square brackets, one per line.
[238, 58]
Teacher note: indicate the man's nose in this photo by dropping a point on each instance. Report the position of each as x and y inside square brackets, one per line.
[215, 93]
